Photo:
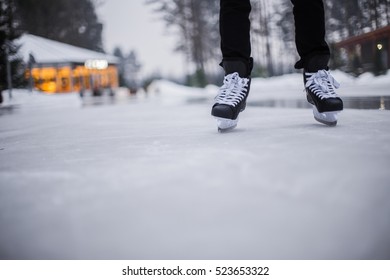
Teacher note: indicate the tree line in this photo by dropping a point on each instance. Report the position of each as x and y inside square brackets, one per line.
[195, 23]
[354, 17]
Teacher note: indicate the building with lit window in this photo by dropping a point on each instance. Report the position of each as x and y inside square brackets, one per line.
[367, 52]
[55, 67]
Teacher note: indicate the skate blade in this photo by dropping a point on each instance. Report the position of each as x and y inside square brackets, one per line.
[226, 124]
[327, 118]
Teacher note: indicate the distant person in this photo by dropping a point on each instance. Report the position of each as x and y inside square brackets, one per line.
[237, 61]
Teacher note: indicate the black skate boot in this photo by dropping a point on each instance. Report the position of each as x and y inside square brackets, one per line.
[231, 98]
[320, 92]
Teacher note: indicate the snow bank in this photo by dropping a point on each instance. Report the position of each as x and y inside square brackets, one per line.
[288, 86]
[171, 93]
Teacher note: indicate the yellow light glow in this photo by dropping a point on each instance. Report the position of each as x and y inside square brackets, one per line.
[379, 46]
[68, 79]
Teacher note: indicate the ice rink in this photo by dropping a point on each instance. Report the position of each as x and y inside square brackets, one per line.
[149, 177]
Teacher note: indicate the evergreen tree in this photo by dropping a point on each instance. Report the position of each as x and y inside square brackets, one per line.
[129, 68]
[118, 53]
[69, 21]
[9, 61]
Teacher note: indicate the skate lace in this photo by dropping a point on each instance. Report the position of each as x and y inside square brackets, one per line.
[322, 84]
[233, 90]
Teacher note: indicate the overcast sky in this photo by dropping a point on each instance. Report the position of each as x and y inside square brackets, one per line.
[132, 25]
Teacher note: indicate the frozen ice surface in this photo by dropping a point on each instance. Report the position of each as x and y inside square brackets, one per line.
[151, 178]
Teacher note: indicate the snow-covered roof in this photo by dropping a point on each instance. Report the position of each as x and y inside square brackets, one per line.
[49, 51]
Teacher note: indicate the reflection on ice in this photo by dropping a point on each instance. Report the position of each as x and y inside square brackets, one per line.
[360, 102]
[8, 109]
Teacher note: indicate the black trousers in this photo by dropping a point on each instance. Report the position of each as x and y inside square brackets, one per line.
[309, 30]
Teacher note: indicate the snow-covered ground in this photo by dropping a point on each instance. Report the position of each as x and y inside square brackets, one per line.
[149, 177]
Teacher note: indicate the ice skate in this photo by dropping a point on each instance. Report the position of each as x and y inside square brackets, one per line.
[320, 91]
[232, 95]
[230, 101]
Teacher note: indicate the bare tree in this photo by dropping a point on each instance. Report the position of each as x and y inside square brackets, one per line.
[196, 24]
